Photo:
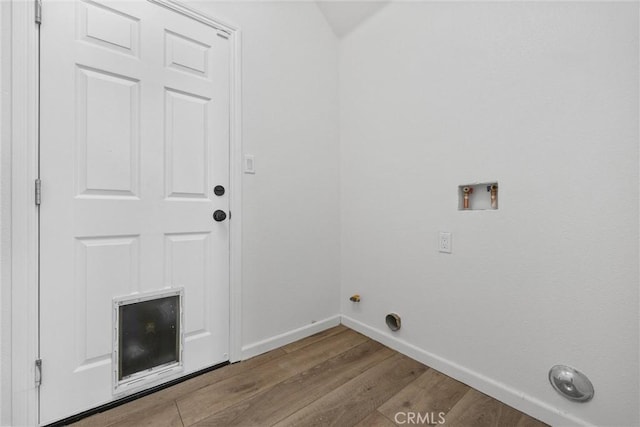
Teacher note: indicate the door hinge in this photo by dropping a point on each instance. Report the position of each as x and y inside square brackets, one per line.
[38, 192]
[38, 372]
[38, 17]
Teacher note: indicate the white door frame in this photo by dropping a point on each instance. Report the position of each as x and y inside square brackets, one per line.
[19, 214]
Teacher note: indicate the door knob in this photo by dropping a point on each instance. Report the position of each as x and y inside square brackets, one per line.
[219, 215]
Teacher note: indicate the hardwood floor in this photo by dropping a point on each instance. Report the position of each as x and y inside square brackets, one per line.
[335, 378]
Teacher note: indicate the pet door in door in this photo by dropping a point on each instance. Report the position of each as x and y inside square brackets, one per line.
[148, 339]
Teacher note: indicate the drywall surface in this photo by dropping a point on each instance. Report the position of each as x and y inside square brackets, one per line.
[543, 98]
[5, 230]
[290, 206]
[345, 15]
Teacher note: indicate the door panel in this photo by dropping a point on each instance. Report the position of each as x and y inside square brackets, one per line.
[108, 133]
[108, 27]
[134, 136]
[187, 154]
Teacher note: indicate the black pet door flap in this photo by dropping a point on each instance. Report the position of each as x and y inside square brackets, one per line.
[148, 336]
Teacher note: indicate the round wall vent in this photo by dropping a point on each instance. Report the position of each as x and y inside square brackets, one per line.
[393, 321]
[571, 383]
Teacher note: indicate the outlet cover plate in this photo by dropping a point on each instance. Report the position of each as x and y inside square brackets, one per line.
[445, 242]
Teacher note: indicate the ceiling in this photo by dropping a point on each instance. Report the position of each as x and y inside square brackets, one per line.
[345, 15]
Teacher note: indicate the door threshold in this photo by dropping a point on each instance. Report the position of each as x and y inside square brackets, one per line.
[107, 406]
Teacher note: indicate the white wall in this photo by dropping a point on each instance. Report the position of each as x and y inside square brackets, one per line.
[5, 180]
[542, 97]
[291, 205]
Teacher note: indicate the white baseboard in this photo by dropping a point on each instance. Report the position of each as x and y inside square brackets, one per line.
[277, 341]
[495, 389]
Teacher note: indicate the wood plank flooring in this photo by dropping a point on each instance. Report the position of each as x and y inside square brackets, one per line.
[335, 378]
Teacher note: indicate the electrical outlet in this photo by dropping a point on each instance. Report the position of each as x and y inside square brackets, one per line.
[444, 242]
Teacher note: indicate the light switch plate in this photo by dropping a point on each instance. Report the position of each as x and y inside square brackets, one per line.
[444, 242]
[249, 164]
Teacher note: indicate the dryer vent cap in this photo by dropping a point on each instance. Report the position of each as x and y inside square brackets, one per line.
[393, 321]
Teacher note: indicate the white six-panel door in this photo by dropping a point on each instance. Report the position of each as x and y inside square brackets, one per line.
[134, 137]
